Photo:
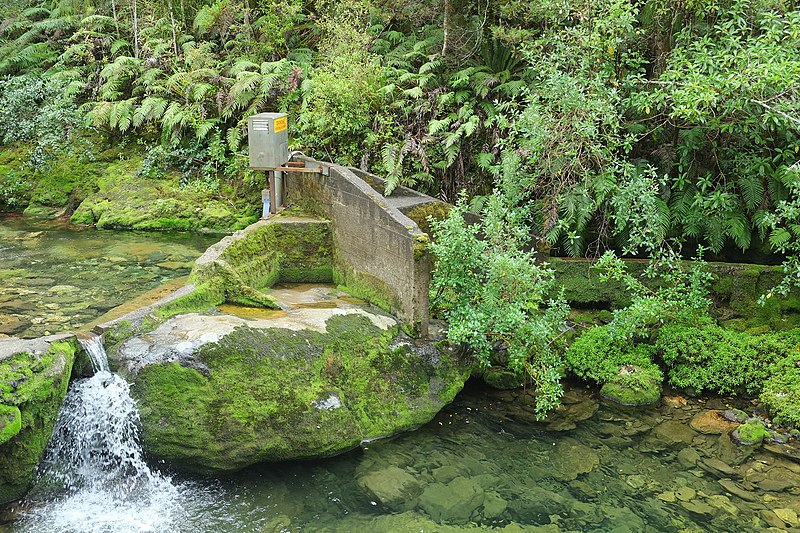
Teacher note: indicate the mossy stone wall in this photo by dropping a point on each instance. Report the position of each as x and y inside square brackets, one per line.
[380, 254]
[735, 290]
[240, 267]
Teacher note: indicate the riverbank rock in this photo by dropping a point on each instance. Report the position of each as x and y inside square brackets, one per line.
[220, 392]
[712, 423]
[34, 375]
[750, 433]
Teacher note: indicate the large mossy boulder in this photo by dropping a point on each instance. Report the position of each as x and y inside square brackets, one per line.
[34, 375]
[219, 392]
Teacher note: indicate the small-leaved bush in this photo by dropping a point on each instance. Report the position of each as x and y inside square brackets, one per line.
[671, 291]
[781, 391]
[712, 358]
[496, 296]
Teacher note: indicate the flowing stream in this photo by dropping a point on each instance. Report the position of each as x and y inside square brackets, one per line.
[483, 464]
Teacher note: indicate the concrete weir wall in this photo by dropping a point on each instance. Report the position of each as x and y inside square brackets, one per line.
[379, 253]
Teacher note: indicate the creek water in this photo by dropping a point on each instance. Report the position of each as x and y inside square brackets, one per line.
[482, 464]
[55, 277]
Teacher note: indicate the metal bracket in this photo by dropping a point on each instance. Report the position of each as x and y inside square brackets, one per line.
[297, 166]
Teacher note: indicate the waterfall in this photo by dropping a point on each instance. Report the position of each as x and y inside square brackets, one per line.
[94, 476]
[97, 353]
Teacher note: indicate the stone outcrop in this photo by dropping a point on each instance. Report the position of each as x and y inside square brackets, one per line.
[34, 375]
[219, 392]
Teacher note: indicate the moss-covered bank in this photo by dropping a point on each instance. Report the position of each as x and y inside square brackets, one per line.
[116, 187]
[735, 290]
[276, 394]
[33, 384]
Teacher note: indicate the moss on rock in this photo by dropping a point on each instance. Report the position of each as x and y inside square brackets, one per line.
[10, 422]
[751, 433]
[240, 267]
[103, 186]
[33, 384]
[277, 394]
[735, 290]
[634, 386]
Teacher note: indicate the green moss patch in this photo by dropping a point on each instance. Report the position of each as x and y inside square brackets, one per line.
[32, 389]
[751, 433]
[103, 186]
[634, 386]
[280, 249]
[10, 422]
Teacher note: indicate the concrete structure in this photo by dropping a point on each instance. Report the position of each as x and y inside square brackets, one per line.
[380, 254]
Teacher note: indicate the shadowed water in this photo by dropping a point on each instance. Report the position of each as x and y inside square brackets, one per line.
[55, 277]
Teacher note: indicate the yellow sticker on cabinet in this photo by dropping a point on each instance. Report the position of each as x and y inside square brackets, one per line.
[279, 124]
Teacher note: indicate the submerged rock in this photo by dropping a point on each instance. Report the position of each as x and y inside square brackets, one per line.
[391, 486]
[570, 459]
[34, 375]
[219, 392]
[454, 502]
[712, 423]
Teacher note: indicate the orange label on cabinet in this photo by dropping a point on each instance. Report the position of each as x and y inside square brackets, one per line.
[279, 124]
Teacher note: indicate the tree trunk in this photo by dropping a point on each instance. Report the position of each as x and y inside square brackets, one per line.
[116, 18]
[172, 23]
[135, 31]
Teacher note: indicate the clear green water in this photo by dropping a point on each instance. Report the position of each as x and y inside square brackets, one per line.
[484, 464]
[55, 277]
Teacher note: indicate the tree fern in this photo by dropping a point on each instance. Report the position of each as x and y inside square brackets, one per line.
[151, 109]
[738, 229]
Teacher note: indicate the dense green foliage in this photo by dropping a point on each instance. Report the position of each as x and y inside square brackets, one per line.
[573, 125]
[669, 327]
[494, 295]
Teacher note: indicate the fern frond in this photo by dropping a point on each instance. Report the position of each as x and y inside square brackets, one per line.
[752, 191]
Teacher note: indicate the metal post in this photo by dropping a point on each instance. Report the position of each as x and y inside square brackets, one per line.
[273, 203]
[278, 189]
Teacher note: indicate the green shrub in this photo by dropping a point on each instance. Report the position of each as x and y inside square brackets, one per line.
[781, 391]
[709, 357]
[597, 355]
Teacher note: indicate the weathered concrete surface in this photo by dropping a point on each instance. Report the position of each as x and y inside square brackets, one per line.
[380, 254]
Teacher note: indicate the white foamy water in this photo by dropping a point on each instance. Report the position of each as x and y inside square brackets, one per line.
[94, 477]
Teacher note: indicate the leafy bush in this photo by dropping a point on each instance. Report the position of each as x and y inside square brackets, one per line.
[14, 189]
[40, 111]
[673, 292]
[494, 296]
[598, 355]
[781, 390]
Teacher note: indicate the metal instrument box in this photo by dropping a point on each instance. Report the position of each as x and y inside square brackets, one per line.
[268, 138]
